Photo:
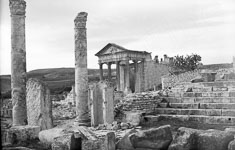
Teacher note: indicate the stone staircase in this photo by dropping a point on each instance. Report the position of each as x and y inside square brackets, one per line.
[205, 102]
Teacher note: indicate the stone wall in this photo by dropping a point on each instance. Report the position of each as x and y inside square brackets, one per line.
[146, 101]
[39, 105]
[172, 80]
[6, 108]
[101, 100]
[149, 74]
[153, 73]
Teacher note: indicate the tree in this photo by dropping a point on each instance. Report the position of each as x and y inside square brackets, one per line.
[188, 63]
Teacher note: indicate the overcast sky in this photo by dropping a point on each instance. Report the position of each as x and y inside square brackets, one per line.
[205, 27]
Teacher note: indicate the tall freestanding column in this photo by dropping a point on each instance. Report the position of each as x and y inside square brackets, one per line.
[81, 73]
[18, 62]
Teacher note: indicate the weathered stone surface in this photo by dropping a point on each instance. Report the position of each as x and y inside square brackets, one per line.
[110, 140]
[134, 118]
[214, 140]
[63, 139]
[187, 139]
[47, 136]
[39, 105]
[197, 79]
[231, 145]
[22, 134]
[18, 62]
[16, 148]
[101, 102]
[81, 72]
[184, 140]
[155, 138]
[124, 142]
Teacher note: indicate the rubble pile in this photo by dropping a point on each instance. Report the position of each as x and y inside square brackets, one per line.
[62, 111]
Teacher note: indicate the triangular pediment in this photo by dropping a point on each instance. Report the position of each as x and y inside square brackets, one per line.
[111, 49]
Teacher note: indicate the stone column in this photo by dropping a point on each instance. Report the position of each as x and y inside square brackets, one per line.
[18, 62]
[127, 77]
[81, 72]
[118, 75]
[122, 77]
[101, 72]
[109, 71]
[135, 71]
[142, 78]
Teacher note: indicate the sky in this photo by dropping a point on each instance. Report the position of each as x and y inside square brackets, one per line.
[172, 27]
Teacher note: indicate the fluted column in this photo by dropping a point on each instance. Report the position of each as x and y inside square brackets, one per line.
[127, 76]
[118, 75]
[101, 72]
[18, 62]
[81, 72]
[135, 72]
[109, 71]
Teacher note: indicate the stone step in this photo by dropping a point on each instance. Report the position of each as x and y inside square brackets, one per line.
[202, 89]
[204, 112]
[220, 120]
[203, 94]
[199, 99]
[198, 105]
[219, 84]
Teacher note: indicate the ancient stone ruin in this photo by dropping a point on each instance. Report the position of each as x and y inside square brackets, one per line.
[141, 104]
[39, 105]
[101, 103]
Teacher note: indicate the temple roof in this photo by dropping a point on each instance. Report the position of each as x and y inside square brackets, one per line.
[112, 48]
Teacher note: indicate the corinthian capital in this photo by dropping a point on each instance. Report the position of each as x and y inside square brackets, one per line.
[17, 7]
[80, 20]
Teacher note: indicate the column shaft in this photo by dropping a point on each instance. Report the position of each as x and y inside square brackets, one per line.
[101, 72]
[135, 72]
[109, 71]
[127, 75]
[81, 72]
[18, 62]
[118, 75]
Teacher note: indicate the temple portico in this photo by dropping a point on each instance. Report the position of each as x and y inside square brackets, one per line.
[127, 63]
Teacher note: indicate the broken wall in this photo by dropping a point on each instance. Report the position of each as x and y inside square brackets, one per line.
[101, 99]
[153, 72]
[39, 105]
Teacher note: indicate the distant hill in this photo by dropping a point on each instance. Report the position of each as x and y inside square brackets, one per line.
[57, 79]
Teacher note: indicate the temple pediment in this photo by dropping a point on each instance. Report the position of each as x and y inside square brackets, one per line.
[113, 53]
[111, 49]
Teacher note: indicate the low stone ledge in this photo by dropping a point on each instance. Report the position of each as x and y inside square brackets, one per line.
[211, 139]
[64, 138]
[22, 134]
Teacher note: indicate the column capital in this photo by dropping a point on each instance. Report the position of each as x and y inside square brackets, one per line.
[80, 20]
[17, 7]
